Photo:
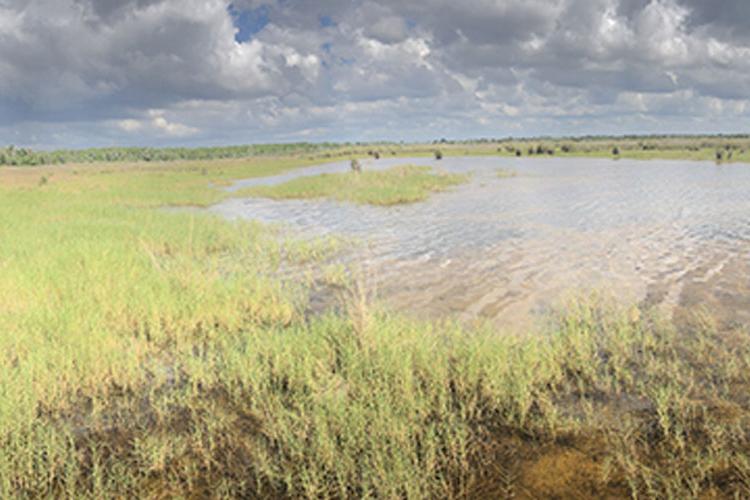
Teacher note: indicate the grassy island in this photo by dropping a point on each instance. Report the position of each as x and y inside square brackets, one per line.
[395, 186]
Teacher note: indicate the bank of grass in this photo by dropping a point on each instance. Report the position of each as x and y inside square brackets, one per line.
[150, 354]
[394, 186]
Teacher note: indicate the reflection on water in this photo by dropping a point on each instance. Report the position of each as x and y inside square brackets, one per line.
[669, 232]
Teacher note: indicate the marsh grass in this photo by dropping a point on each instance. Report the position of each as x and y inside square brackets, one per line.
[393, 408]
[151, 354]
[397, 185]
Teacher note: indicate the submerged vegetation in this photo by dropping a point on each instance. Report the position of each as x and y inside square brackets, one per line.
[504, 173]
[397, 185]
[156, 354]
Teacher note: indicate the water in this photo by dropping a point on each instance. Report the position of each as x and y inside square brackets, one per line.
[673, 233]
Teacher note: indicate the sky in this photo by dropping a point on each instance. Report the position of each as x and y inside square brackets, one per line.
[89, 73]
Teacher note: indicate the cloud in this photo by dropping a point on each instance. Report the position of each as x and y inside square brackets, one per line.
[174, 129]
[156, 123]
[130, 125]
[80, 72]
[388, 29]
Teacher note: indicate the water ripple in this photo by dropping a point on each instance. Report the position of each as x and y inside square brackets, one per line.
[506, 247]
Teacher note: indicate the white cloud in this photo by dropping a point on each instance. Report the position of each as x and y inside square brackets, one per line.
[173, 129]
[130, 125]
[399, 69]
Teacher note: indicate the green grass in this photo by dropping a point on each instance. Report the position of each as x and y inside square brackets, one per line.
[155, 354]
[397, 185]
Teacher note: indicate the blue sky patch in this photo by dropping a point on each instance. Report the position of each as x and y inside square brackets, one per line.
[248, 21]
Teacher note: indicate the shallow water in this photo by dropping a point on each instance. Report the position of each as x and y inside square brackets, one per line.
[673, 233]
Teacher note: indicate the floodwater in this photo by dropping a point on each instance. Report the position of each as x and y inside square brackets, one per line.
[670, 233]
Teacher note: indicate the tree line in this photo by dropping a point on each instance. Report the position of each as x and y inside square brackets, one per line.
[13, 156]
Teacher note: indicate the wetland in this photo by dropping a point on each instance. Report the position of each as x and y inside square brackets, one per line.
[574, 330]
[669, 233]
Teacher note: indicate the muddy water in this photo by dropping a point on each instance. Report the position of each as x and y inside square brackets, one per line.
[672, 233]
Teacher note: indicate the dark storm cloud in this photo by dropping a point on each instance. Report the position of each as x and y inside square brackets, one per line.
[156, 71]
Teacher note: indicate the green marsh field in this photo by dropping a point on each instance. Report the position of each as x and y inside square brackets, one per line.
[152, 350]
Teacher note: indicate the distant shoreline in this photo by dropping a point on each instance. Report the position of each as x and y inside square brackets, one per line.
[722, 148]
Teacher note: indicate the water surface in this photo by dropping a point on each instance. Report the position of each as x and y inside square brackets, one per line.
[673, 233]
